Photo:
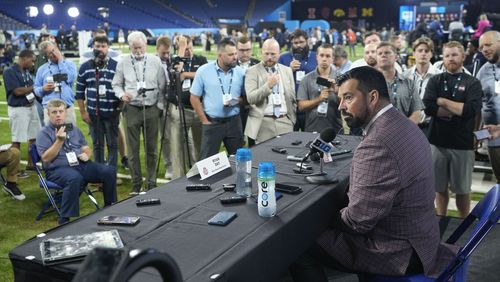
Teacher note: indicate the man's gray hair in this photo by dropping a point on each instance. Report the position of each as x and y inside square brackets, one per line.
[43, 46]
[136, 36]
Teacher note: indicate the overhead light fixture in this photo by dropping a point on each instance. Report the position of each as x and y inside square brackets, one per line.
[73, 12]
[48, 9]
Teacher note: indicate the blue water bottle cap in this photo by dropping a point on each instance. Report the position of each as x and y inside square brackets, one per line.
[243, 155]
[266, 168]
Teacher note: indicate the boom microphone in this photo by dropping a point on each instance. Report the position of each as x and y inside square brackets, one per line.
[322, 143]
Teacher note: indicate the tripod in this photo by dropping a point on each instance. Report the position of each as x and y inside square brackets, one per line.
[176, 89]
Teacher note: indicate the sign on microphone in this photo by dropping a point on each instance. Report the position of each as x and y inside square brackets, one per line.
[322, 146]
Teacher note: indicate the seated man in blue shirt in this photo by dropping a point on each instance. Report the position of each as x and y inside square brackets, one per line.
[66, 161]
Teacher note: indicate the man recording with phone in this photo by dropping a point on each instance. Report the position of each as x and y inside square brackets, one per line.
[55, 79]
[101, 111]
[302, 61]
[316, 94]
[66, 160]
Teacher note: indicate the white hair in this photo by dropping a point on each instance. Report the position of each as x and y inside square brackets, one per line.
[136, 36]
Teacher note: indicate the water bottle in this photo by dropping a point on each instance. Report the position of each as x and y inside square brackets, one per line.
[244, 172]
[266, 198]
[322, 107]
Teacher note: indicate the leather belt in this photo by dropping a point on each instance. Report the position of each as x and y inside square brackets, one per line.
[275, 117]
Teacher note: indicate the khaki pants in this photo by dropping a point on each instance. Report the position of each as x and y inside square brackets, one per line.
[10, 159]
[134, 125]
[177, 142]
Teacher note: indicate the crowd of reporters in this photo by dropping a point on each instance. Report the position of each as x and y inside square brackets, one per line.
[192, 105]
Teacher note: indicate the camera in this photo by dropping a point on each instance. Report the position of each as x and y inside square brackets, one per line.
[324, 82]
[68, 127]
[58, 79]
[99, 59]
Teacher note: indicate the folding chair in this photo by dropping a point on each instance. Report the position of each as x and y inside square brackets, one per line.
[54, 199]
[487, 213]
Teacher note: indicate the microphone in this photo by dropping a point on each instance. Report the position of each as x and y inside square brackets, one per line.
[322, 143]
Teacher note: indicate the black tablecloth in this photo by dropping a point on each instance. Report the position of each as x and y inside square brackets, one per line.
[250, 248]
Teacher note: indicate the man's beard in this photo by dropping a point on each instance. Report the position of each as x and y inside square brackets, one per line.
[230, 65]
[371, 62]
[352, 122]
[302, 52]
[495, 58]
[138, 56]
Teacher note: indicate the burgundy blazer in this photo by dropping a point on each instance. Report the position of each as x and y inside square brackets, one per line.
[391, 203]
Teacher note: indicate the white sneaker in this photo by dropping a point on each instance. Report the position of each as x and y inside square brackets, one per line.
[14, 191]
[168, 175]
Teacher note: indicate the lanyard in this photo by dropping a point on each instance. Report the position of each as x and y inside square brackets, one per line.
[58, 69]
[454, 87]
[421, 82]
[132, 60]
[187, 67]
[27, 79]
[494, 72]
[394, 88]
[220, 81]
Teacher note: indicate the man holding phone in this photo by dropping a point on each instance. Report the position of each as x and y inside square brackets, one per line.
[316, 94]
[55, 79]
[302, 61]
[489, 75]
[66, 160]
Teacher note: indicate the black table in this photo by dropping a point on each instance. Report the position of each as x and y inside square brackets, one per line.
[250, 248]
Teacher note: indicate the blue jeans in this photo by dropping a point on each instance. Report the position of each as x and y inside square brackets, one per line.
[105, 132]
[74, 178]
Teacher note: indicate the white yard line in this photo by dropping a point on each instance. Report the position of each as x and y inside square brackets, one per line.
[121, 175]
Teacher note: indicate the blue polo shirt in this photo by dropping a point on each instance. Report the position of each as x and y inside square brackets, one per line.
[306, 64]
[206, 84]
[14, 78]
[47, 136]
[50, 69]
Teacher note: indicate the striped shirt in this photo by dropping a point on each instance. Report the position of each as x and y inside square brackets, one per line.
[86, 88]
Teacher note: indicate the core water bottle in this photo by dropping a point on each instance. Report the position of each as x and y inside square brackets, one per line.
[244, 172]
[266, 198]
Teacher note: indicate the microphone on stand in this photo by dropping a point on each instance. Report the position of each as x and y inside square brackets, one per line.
[322, 143]
[322, 146]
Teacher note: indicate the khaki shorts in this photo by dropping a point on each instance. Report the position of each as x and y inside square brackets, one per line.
[24, 123]
[452, 167]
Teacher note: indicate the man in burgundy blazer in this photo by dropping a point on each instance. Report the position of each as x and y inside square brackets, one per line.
[389, 225]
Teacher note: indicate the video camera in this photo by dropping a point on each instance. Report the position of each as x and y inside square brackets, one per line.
[58, 79]
[324, 82]
[99, 59]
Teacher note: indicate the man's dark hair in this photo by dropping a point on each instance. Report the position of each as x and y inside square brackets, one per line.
[26, 53]
[368, 79]
[298, 33]
[224, 42]
[327, 46]
[101, 39]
